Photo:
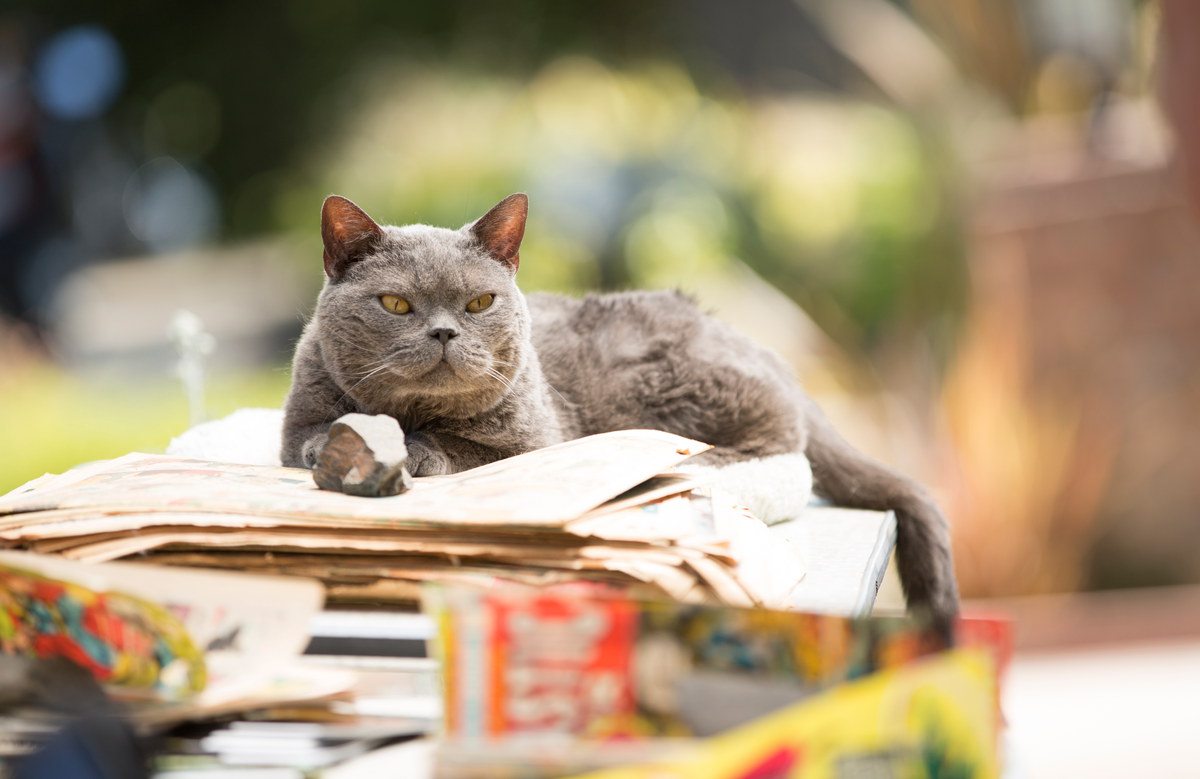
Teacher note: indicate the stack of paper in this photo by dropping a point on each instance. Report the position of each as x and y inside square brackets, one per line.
[603, 508]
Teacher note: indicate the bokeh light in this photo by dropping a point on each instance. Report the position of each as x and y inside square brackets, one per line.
[170, 206]
[79, 73]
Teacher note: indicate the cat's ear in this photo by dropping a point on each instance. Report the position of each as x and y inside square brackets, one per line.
[348, 233]
[500, 230]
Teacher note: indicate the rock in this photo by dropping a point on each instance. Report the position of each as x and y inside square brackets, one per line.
[365, 456]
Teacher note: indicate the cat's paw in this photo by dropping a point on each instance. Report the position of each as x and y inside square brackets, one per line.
[363, 455]
[310, 451]
[426, 459]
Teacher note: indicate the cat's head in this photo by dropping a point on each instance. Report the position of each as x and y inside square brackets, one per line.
[421, 314]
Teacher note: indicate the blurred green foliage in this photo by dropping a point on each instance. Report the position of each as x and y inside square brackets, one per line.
[638, 177]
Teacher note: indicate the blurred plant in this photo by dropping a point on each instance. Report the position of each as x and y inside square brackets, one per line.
[637, 177]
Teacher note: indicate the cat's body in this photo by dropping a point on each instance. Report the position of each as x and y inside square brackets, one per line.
[655, 360]
[473, 384]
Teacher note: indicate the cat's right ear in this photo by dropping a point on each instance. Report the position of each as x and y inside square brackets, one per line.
[500, 230]
[348, 233]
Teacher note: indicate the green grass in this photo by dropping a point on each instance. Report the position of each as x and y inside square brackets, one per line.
[51, 420]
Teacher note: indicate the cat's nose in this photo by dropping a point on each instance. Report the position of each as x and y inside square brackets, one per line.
[443, 334]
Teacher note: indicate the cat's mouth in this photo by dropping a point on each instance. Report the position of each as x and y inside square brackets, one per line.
[439, 372]
[448, 366]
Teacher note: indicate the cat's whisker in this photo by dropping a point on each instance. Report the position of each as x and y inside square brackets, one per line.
[556, 392]
[388, 359]
[360, 381]
[358, 346]
[500, 377]
[369, 368]
[348, 342]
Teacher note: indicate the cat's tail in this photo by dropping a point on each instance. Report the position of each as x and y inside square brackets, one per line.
[849, 478]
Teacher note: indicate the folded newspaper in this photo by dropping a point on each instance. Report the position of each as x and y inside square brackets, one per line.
[604, 508]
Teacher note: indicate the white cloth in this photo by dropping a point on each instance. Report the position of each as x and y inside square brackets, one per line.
[249, 436]
[775, 489]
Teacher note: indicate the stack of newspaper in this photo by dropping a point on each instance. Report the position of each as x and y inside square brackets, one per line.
[605, 508]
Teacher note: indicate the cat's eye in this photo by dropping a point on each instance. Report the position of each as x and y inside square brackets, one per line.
[481, 303]
[395, 304]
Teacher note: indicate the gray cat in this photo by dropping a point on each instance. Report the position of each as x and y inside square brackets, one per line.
[427, 325]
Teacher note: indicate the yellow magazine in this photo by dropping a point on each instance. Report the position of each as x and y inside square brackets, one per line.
[932, 720]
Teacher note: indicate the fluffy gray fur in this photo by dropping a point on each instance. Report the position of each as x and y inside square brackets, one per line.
[534, 370]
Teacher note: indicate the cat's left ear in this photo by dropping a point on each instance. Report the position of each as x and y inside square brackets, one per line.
[500, 230]
[348, 233]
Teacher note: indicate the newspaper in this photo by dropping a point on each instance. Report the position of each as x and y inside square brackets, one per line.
[544, 487]
[605, 508]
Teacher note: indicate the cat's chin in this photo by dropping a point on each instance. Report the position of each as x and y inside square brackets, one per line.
[464, 377]
[443, 371]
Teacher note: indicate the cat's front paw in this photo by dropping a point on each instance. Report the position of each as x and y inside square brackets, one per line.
[363, 455]
[425, 458]
[310, 450]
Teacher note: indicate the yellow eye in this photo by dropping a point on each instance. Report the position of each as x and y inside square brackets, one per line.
[481, 303]
[395, 304]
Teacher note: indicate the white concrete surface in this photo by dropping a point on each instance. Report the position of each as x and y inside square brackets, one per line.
[1126, 711]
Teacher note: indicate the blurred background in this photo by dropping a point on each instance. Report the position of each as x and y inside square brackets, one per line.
[961, 220]
[971, 225]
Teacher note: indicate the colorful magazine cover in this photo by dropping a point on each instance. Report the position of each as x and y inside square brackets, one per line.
[588, 661]
[170, 633]
[119, 638]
